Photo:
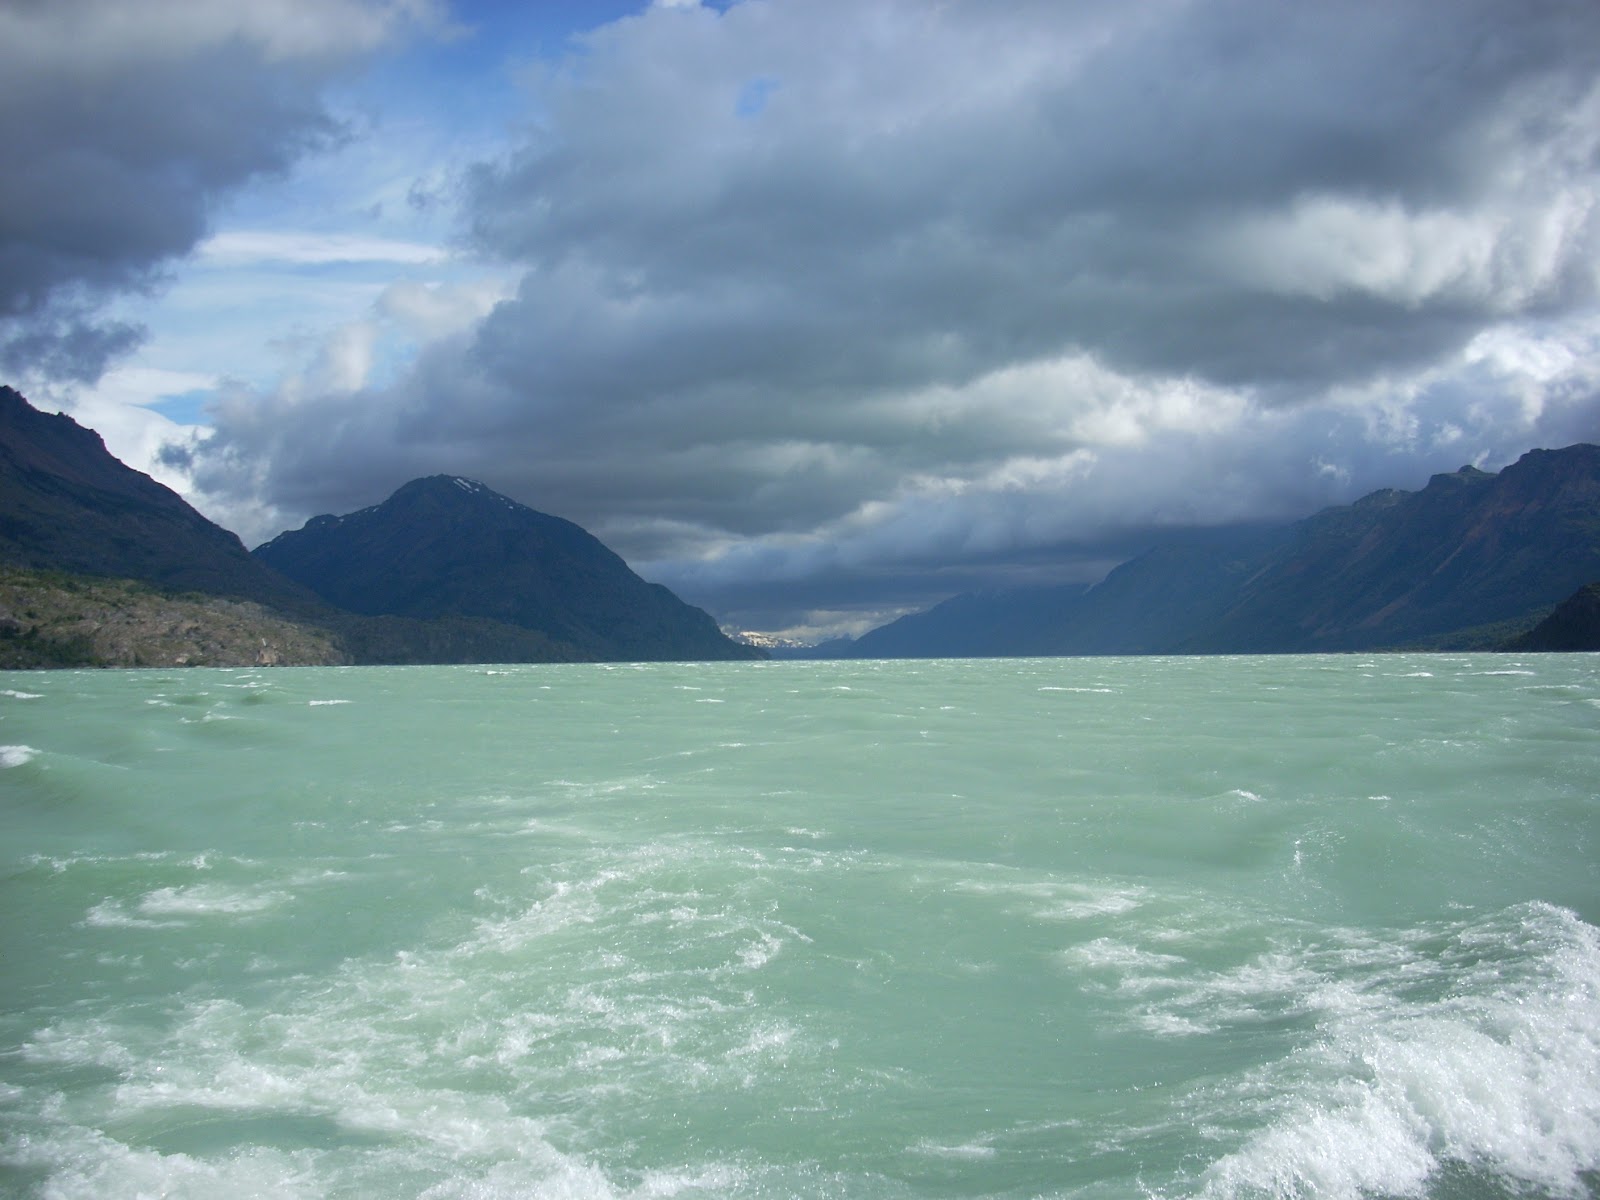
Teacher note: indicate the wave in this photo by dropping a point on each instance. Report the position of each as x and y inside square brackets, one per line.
[1471, 1051]
[16, 756]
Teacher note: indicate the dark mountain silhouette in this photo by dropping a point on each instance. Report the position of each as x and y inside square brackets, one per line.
[67, 505]
[1470, 549]
[71, 514]
[450, 547]
[1430, 568]
[971, 625]
[448, 571]
[1574, 625]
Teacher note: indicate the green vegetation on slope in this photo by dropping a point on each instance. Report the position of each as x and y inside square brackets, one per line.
[51, 619]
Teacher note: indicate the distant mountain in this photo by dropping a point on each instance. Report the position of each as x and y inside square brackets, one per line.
[67, 505]
[973, 625]
[1145, 606]
[1471, 550]
[450, 547]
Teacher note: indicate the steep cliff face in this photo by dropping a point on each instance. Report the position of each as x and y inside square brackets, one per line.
[67, 505]
[450, 547]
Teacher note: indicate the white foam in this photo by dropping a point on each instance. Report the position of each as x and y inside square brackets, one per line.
[16, 695]
[111, 914]
[764, 1040]
[1109, 954]
[16, 756]
[1052, 900]
[755, 955]
[87, 1165]
[322, 703]
[167, 907]
[81, 1042]
[199, 862]
[1498, 1075]
[205, 899]
[962, 1150]
[1106, 904]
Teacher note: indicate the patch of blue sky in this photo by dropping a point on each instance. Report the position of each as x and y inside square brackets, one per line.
[469, 79]
[186, 408]
[250, 325]
[754, 95]
[392, 355]
[294, 259]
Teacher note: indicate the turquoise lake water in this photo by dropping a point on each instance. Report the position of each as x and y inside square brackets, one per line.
[1189, 927]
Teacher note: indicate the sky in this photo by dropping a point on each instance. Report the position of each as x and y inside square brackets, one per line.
[817, 311]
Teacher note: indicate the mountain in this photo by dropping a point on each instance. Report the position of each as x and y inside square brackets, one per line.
[1574, 625]
[100, 565]
[973, 625]
[1470, 549]
[1450, 565]
[450, 547]
[67, 505]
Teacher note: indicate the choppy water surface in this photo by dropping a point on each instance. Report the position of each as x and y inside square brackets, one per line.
[1076, 927]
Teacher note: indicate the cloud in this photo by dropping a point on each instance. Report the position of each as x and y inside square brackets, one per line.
[878, 297]
[248, 246]
[121, 408]
[123, 126]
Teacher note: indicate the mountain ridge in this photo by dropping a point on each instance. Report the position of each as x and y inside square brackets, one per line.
[447, 570]
[67, 504]
[445, 545]
[1471, 550]
[106, 566]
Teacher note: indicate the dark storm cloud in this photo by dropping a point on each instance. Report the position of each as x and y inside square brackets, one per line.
[931, 195]
[811, 289]
[65, 339]
[122, 125]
